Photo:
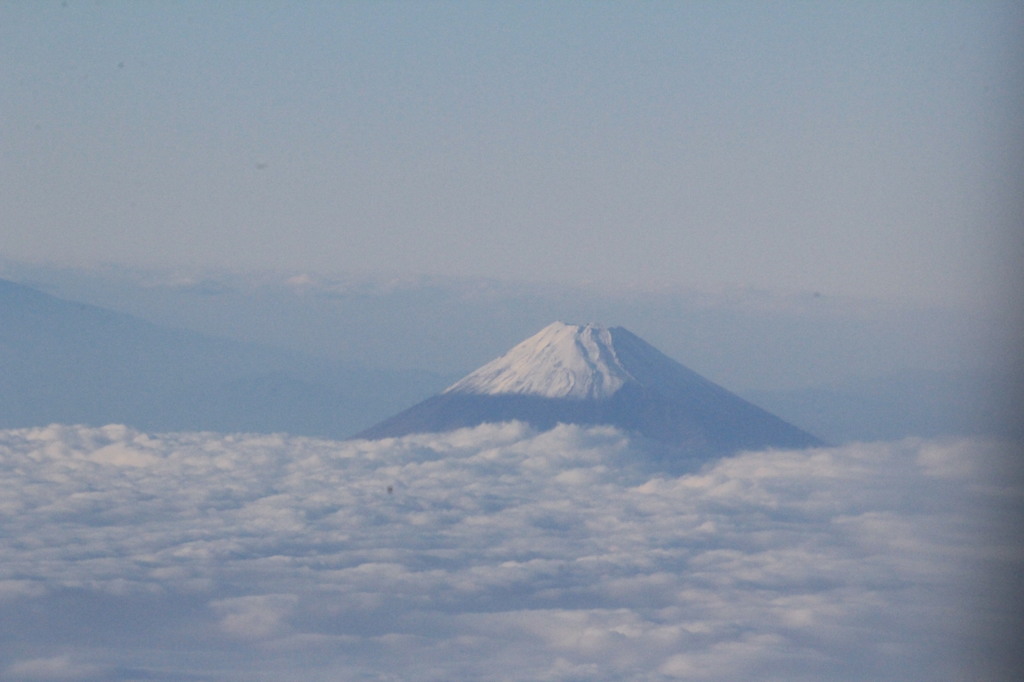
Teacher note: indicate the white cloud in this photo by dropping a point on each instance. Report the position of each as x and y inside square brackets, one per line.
[495, 552]
[53, 668]
[256, 617]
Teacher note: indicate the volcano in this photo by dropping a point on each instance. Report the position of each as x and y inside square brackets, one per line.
[594, 375]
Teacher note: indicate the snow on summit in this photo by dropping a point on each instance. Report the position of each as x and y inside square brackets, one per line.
[560, 361]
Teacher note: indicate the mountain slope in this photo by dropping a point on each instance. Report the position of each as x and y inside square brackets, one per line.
[62, 361]
[596, 375]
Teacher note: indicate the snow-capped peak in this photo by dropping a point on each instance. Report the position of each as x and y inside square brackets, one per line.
[560, 361]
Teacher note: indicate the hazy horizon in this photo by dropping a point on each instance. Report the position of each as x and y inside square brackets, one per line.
[867, 150]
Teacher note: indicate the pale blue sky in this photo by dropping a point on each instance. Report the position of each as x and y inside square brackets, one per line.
[866, 150]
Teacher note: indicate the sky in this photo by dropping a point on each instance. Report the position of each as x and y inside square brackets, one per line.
[500, 553]
[867, 149]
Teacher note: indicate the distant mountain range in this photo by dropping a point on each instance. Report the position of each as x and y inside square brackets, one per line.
[68, 362]
[71, 362]
[595, 375]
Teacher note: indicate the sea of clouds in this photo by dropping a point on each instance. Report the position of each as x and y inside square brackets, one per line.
[498, 553]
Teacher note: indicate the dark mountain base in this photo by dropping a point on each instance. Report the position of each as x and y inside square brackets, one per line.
[699, 428]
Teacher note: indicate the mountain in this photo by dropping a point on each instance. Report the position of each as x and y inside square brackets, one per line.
[596, 375]
[69, 362]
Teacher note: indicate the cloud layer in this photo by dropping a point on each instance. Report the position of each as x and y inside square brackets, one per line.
[496, 553]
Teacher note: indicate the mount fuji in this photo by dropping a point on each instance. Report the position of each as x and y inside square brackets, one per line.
[590, 375]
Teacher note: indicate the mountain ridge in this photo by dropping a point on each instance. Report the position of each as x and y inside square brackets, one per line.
[63, 361]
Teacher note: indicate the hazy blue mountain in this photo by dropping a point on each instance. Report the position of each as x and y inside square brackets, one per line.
[62, 361]
[592, 375]
[746, 339]
[844, 369]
